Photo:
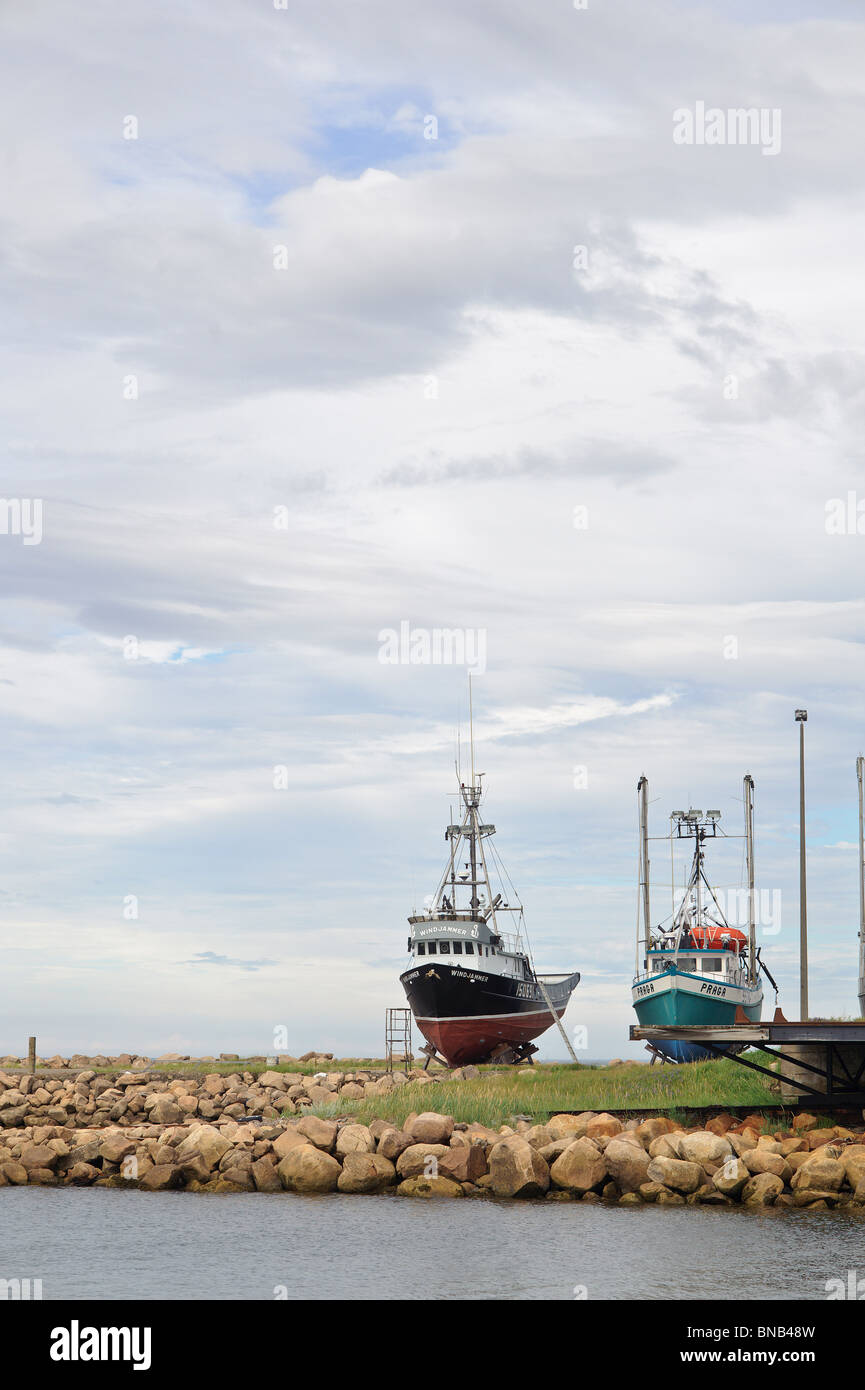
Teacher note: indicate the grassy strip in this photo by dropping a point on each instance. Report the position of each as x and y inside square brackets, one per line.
[493, 1098]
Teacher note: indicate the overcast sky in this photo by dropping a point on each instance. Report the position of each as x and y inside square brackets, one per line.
[325, 319]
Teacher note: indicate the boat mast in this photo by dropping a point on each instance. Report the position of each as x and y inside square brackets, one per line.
[643, 790]
[749, 853]
[860, 774]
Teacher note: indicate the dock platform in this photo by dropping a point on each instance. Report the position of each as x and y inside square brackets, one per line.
[822, 1061]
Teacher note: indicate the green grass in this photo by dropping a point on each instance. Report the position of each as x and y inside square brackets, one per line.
[497, 1095]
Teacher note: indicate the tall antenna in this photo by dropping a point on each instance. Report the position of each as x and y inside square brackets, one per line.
[749, 852]
[471, 729]
[860, 773]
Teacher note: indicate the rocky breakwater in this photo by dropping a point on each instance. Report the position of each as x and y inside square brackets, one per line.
[124, 1098]
[589, 1158]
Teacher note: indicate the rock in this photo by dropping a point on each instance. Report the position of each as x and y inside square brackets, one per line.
[731, 1177]
[649, 1191]
[580, 1168]
[115, 1147]
[265, 1175]
[38, 1156]
[465, 1163]
[82, 1173]
[206, 1140]
[655, 1126]
[719, 1124]
[817, 1172]
[430, 1128]
[320, 1133]
[363, 1171]
[164, 1110]
[764, 1161]
[309, 1169]
[666, 1198]
[665, 1146]
[392, 1142]
[289, 1139]
[161, 1177]
[429, 1187]
[351, 1091]
[761, 1190]
[627, 1163]
[853, 1158]
[275, 1079]
[517, 1170]
[814, 1197]
[538, 1136]
[417, 1160]
[570, 1126]
[704, 1147]
[676, 1173]
[803, 1122]
[354, 1139]
[14, 1172]
[602, 1125]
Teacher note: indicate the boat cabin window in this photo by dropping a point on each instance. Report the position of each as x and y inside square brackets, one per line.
[470, 950]
[444, 948]
[709, 964]
[431, 948]
[458, 948]
[421, 948]
[687, 963]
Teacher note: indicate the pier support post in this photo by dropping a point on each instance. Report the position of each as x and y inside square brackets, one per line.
[31, 1056]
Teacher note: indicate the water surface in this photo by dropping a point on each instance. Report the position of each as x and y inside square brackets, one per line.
[97, 1243]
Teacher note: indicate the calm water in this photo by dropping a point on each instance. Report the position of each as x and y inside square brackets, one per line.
[105, 1244]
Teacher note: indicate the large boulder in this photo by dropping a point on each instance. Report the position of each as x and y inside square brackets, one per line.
[115, 1147]
[853, 1158]
[465, 1163]
[703, 1147]
[517, 1170]
[570, 1126]
[363, 1171]
[429, 1187]
[653, 1127]
[207, 1141]
[309, 1169]
[580, 1168]
[264, 1174]
[431, 1128]
[731, 1177]
[392, 1142]
[421, 1160]
[676, 1174]
[627, 1163]
[761, 1190]
[603, 1126]
[38, 1156]
[320, 1133]
[163, 1109]
[763, 1160]
[824, 1173]
[288, 1140]
[161, 1177]
[354, 1139]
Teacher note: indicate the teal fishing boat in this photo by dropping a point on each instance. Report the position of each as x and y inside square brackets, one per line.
[699, 969]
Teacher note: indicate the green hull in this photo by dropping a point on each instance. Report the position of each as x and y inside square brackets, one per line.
[670, 1008]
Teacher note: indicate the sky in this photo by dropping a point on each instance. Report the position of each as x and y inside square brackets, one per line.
[328, 319]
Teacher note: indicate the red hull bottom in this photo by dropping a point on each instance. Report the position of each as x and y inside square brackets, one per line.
[463, 1040]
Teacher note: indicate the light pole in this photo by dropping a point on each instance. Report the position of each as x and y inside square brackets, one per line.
[801, 718]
